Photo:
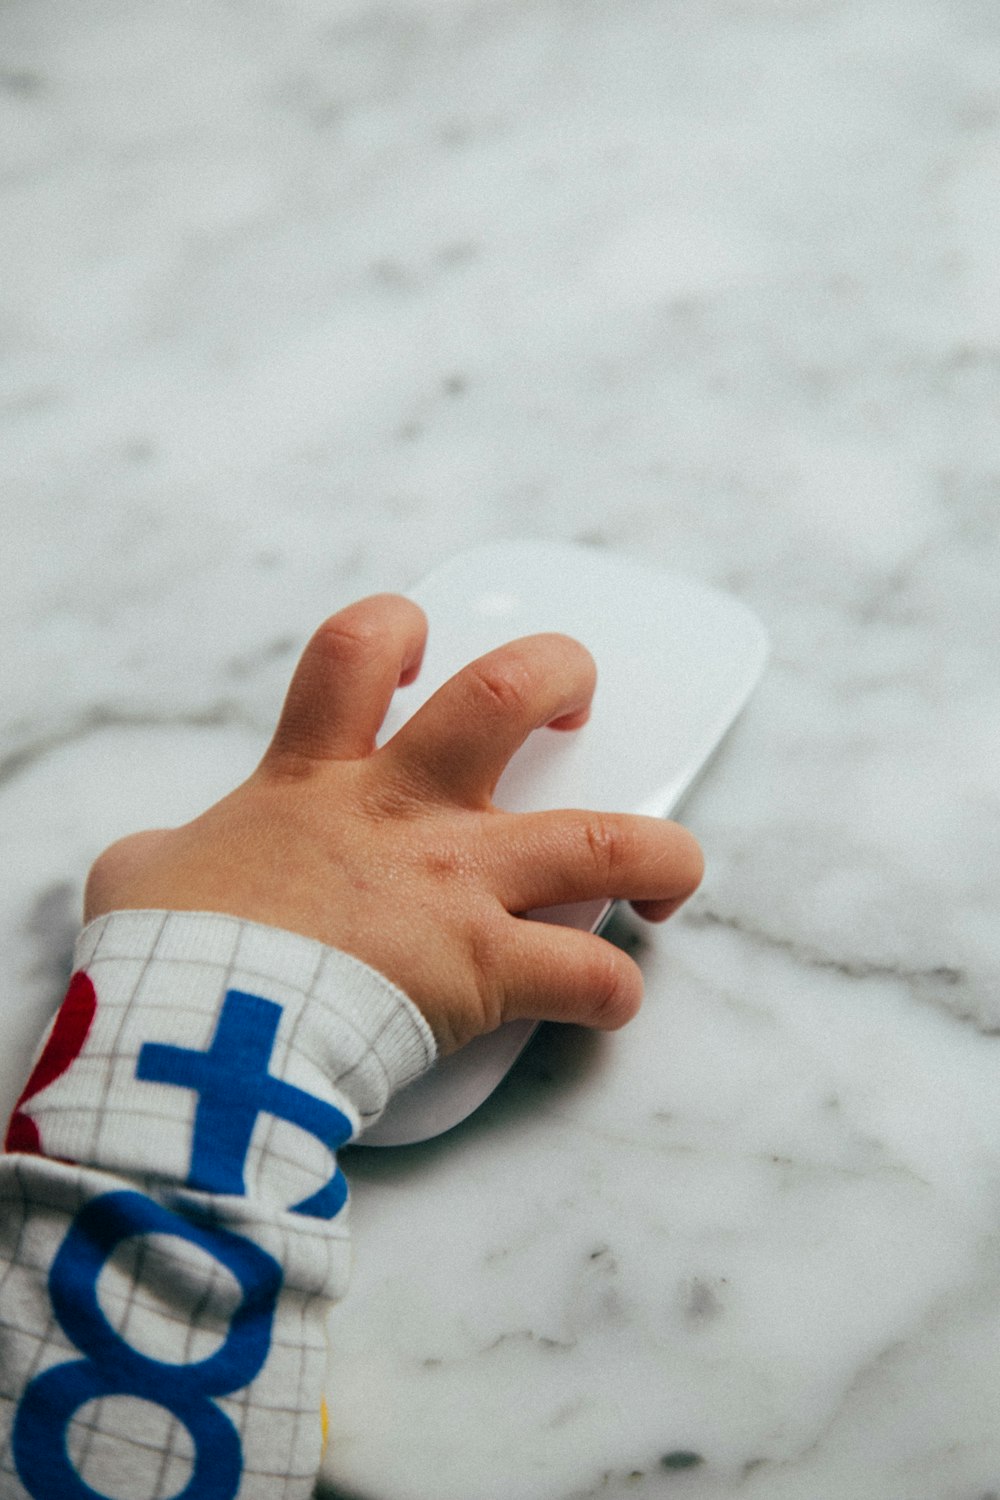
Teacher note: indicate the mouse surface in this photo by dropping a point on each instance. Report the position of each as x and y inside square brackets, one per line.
[676, 662]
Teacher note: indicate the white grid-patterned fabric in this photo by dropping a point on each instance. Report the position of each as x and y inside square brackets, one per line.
[345, 1037]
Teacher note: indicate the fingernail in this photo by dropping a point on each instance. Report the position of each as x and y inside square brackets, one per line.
[571, 721]
[410, 671]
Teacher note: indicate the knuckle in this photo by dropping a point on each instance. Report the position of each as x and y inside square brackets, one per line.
[501, 686]
[606, 845]
[363, 632]
[351, 636]
[486, 971]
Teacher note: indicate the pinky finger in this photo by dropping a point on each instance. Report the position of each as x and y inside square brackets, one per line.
[562, 974]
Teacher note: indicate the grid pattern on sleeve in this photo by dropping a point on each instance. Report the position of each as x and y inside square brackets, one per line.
[346, 1035]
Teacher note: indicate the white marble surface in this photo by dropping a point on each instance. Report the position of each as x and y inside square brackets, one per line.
[298, 298]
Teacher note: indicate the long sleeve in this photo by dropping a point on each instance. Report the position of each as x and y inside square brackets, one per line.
[173, 1222]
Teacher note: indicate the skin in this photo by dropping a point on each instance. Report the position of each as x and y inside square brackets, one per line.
[398, 855]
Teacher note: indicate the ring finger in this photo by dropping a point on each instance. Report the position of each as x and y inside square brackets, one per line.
[551, 858]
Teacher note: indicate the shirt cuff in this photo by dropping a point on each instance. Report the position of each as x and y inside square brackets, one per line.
[163, 982]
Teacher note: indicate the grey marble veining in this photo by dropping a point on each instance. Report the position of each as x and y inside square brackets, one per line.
[296, 300]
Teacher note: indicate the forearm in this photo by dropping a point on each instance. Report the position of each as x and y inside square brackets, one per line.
[172, 1219]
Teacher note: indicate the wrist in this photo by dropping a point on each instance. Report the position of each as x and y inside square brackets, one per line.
[165, 976]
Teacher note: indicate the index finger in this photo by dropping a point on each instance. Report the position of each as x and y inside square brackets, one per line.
[458, 744]
[343, 683]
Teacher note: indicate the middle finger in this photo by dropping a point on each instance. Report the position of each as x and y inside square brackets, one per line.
[458, 744]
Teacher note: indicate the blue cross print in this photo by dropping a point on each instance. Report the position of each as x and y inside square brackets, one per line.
[234, 1086]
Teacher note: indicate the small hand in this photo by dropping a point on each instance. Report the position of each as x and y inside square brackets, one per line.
[398, 855]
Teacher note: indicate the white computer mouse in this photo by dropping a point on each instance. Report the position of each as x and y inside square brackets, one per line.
[676, 662]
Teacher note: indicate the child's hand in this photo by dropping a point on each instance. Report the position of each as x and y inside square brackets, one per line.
[398, 856]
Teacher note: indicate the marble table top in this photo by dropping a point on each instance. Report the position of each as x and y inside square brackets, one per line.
[298, 299]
